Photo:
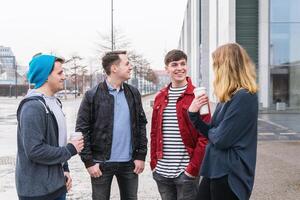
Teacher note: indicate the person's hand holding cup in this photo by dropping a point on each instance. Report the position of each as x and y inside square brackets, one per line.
[200, 97]
[76, 139]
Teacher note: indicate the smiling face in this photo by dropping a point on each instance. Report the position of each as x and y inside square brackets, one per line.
[56, 78]
[178, 72]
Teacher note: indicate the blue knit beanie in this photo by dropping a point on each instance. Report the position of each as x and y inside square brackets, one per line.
[39, 69]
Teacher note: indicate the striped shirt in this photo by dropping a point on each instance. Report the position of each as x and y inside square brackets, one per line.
[175, 156]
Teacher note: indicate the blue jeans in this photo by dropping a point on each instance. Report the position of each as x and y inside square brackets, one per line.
[179, 188]
[127, 181]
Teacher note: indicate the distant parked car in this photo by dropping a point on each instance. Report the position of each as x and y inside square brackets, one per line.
[75, 92]
[62, 93]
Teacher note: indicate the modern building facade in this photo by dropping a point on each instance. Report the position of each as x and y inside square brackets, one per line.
[7, 58]
[268, 29]
[8, 66]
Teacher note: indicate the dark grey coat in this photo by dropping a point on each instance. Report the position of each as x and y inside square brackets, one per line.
[39, 171]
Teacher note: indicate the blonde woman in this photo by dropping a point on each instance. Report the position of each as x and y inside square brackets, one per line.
[230, 157]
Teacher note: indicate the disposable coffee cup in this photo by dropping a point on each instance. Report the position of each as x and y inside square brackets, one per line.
[76, 136]
[199, 91]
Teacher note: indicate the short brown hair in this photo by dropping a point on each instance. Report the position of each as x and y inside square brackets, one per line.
[111, 58]
[174, 55]
[60, 59]
[57, 59]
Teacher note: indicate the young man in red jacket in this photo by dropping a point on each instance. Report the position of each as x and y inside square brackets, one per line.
[177, 149]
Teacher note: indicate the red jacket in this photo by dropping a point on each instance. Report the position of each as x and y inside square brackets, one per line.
[194, 142]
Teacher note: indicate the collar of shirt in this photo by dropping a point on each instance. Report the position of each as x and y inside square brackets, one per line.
[111, 88]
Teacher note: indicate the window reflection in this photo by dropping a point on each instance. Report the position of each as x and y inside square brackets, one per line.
[285, 51]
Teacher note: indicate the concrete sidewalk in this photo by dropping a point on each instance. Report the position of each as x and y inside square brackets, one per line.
[277, 174]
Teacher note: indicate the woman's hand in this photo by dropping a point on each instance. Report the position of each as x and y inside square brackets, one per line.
[198, 102]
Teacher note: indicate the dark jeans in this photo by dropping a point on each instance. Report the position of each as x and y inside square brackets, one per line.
[127, 181]
[63, 197]
[179, 188]
[215, 189]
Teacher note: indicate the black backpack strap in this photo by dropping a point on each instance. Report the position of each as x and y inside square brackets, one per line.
[32, 98]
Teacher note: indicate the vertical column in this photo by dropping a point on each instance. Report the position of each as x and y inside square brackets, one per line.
[263, 50]
[213, 41]
[226, 21]
[232, 21]
[194, 56]
[204, 49]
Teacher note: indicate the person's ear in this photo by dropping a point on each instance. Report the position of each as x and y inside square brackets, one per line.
[113, 68]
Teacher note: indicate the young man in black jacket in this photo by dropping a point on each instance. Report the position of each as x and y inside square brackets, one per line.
[113, 122]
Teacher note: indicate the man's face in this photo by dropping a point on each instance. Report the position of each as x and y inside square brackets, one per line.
[56, 78]
[123, 70]
[177, 70]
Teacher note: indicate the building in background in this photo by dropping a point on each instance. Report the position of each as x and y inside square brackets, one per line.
[8, 67]
[163, 78]
[7, 59]
[268, 29]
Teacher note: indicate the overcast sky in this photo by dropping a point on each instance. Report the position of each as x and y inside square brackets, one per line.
[73, 26]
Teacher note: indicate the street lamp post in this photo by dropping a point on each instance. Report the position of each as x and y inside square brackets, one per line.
[91, 76]
[10, 86]
[112, 25]
[16, 77]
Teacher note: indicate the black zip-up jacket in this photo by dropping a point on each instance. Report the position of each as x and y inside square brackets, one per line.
[95, 120]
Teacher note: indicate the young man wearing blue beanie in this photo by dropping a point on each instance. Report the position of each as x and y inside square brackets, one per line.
[41, 169]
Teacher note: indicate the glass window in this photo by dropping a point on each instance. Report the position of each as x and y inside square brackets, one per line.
[285, 52]
[285, 32]
[285, 11]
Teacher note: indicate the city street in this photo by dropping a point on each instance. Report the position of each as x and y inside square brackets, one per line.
[278, 163]
[223, 47]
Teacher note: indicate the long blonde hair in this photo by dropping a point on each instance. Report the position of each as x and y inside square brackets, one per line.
[234, 70]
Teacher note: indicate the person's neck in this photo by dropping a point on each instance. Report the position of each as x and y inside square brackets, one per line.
[176, 84]
[115, 83]
[46, 91]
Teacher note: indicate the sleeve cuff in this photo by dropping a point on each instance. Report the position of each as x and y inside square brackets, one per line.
[198, 123]
[194, 171]
[89, 163]
[66, 167]
[71, 149]
[153, 164]
[194, 116]
[140, 156]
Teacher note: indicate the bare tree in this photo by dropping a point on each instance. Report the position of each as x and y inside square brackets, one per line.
[120, 41]
[151, 76]
[140, 64]
[74, 66]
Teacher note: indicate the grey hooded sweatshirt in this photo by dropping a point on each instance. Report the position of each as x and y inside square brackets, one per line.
[39, 172]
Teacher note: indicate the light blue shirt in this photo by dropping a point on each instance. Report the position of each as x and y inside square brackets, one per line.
[121, 150]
